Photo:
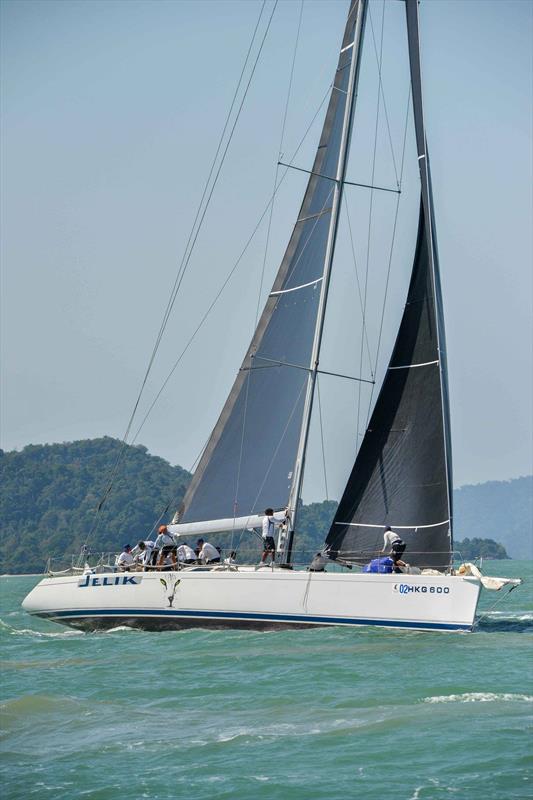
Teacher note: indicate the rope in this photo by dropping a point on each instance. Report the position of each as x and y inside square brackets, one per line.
[498, 600]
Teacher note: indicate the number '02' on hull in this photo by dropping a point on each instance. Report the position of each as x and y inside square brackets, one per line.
[259, 600]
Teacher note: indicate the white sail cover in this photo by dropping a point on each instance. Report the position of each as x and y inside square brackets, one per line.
[216, 525]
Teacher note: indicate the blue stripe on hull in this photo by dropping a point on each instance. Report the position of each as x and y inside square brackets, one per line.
[89, 615]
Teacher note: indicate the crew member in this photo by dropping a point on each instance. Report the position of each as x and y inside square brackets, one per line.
[207, 553]
[271, 521]
[166, 546]
[142, 553]
[397, 546]
[125, 560]
[186, 554]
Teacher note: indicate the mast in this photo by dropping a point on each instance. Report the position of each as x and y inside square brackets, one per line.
[359, 8]
[411, 8]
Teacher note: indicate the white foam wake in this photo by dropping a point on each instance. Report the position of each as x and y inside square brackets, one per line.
[480, 697]
[63, 634]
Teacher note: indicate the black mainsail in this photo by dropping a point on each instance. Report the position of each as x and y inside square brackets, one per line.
[254, 457]
[402, 473]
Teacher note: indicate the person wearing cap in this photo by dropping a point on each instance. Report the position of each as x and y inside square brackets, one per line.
[166, 546]
[397, 546]
[125, 560]
[207, 553]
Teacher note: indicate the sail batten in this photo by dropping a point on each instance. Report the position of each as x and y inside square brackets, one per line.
[398, 527]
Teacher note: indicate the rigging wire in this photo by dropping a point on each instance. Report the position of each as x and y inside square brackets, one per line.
[269, 205]
[393, 240]
[187, 253]
[195, 228]
[267, 242]
[365, 294]
[322, 437]
[225, 283]
[382, 91]
[233, 269]
[280, 153]
[365, 328]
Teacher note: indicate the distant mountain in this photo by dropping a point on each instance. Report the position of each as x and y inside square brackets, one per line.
[49, 493]
[499, 510]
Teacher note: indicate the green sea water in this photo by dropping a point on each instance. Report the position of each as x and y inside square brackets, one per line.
[319, 713]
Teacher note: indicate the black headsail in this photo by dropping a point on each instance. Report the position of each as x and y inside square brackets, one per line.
[402, 473]
[249, 461]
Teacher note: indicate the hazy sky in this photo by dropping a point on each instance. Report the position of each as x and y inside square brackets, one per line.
[111, 112]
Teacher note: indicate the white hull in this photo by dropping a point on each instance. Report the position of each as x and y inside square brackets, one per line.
[249, 599]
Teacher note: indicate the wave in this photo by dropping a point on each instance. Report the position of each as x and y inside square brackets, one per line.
[30, 632]
[120, 629]
[518, 622]
[480, 697]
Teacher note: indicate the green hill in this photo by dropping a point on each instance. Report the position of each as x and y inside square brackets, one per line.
[49, 493]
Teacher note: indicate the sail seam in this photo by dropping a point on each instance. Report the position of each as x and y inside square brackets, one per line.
[411, 366]
[295, 288]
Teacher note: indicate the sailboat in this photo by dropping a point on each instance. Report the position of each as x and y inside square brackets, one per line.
[256, 455]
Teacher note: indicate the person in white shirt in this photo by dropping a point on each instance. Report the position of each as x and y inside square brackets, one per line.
[166, 546]
[397, 546]
[207, 553]
[142, 553]
[125, 560]
[271, 521]
[186, 554]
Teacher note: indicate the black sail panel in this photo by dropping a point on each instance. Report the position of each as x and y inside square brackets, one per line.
[248, 462]
[400, 474]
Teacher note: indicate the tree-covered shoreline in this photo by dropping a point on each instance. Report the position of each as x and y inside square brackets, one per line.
[49, 494]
